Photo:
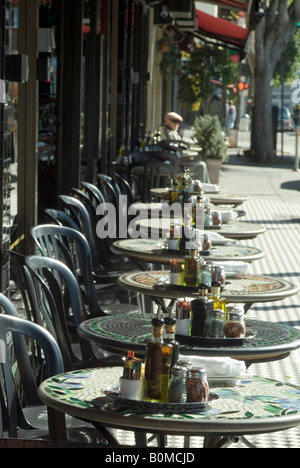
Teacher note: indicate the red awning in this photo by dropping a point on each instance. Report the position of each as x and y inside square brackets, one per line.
[222, 30]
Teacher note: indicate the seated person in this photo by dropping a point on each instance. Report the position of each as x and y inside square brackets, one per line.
[169, 131]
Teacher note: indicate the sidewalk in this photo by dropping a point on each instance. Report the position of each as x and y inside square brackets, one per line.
[274, 202]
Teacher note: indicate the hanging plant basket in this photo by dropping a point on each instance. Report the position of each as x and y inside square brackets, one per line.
[170, 64]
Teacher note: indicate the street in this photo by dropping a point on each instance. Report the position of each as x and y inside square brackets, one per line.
[286, 142]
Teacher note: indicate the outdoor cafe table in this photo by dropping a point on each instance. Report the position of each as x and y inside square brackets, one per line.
[155, 251]
[121, 333]
[246, 289]
[252, 405]
[216, 198]
[239, 230]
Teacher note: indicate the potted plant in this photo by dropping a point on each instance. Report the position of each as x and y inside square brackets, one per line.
[208, 132]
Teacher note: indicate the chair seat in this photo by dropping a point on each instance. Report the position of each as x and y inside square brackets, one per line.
[119, 309]
[37, 417]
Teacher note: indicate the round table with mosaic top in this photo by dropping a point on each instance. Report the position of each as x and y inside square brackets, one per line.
[160, 228]
[242, 288]
[155, 251]
[251, 405]
[221, 197]
[264, 340]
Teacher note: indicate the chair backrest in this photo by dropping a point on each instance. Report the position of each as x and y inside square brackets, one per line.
[110, 189]
[125, 188]
[63, 299]
[94, 193]
[20, 328]
[61, 218]
[17, 267]
[100, 248]
[78, 210]
[34, 312]
[70, 247]
[152, 171]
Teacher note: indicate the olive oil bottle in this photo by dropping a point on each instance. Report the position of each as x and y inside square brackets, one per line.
[192, 268]
[158, 359]
[170, 330]
[219, 302]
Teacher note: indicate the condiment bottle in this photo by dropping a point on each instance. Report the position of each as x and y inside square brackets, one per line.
[185, 363]
[215, 295]
[206, 245]
[170, 330]
[235, 326]
[205, 275]
[215, 324]
[177, 385]
[198, 214]
[158, 357]
[183, 317]
[218, 275]
[191, 268]
[183, 239]
[208, 220]
[197, 388]
[128, 366]
[201, 309]
[217, 218]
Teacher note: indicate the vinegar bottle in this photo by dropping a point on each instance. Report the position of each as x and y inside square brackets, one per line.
[201, 310]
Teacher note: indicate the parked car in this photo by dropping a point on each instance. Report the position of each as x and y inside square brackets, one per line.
[285, 120]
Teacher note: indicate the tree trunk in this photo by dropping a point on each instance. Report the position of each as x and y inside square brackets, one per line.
[273, 32]
[262, 143]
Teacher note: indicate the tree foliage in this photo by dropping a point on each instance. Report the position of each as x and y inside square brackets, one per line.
[204, 64]
[289, 63]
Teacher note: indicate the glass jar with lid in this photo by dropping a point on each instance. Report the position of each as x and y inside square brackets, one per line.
[177, 385]
[219, 275]
[197, 386]
[217, 218]
[235, 326]
[215, 324]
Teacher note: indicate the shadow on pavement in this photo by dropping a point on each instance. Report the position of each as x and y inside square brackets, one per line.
[292, 185]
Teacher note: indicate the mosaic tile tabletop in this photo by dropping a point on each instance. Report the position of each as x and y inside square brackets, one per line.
[131, 333]
[265, 404]
[160, 227]
[242, 288]
[155, 250]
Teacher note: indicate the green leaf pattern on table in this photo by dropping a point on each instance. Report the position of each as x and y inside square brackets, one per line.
[253, 397]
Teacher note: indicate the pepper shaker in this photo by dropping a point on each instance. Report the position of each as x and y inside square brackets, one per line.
[197, 385]
[177, 385]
